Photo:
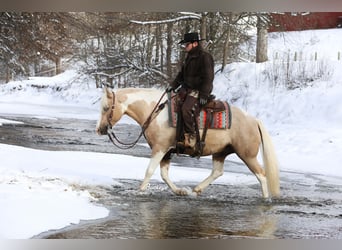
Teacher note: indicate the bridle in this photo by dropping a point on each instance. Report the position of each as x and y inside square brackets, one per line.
[124, 145]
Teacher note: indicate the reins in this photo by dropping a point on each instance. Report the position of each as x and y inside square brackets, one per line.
[124, 145]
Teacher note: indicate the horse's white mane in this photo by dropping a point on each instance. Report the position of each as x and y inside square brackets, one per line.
[104, 101]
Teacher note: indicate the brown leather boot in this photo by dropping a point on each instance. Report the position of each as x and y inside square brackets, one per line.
[189, 140]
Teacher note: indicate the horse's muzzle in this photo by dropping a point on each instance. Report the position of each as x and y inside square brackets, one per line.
[102, 130]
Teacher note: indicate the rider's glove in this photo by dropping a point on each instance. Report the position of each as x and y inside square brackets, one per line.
[203, 101]
[169, 89]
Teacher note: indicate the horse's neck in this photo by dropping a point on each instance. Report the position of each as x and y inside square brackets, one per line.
[139, 110]
[137, 113]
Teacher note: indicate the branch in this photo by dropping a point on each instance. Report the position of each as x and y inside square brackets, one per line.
[158, 72]
[176, 19]
[112, 75]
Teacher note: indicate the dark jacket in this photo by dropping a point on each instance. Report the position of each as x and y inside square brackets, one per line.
[197, 72]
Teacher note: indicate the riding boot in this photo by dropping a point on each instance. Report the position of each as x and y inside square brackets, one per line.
[189, 140]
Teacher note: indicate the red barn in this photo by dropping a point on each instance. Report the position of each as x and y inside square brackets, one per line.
[296, 21]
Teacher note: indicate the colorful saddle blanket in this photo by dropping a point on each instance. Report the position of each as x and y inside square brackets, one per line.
[220, 120]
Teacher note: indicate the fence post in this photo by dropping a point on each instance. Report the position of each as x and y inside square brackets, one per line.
[339, 55]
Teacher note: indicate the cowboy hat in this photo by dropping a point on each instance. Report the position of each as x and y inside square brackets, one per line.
[191, 37]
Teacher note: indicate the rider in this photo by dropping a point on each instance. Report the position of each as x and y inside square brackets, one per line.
[196, 78]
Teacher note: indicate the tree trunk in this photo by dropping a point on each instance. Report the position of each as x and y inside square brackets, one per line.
[58, 62]
[149, 46]
[158, 45]
[212, 26]
[261, 49]
[8, 74]
[169, 49]
[161, 51]
[226, 44]
[225, 52]
[203, 34]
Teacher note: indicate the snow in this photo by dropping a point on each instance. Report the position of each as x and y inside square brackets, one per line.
[42, 190]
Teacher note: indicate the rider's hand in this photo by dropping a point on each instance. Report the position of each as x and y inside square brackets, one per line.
[203, 101]
[169, 89]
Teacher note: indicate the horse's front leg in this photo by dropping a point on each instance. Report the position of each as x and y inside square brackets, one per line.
[164, 172]
[154, 162]
[216, 172]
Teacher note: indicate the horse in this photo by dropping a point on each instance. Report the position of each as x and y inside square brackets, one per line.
[246, 136]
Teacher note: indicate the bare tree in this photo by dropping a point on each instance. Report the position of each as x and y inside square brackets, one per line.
[226, 42]
[122, 47]
[169, 49]
[261, 47]
[28, 38]
[234, 32]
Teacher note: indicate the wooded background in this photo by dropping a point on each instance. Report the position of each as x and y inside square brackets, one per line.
[127, 49]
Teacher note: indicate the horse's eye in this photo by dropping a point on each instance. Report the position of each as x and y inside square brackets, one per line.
[105, 109]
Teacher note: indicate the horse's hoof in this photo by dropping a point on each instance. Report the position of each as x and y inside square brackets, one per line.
[143, 187]
[267, 200]
[197, 191]
[181, 192]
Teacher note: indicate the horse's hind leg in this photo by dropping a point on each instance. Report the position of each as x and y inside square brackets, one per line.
[259, 172]
[216, 172]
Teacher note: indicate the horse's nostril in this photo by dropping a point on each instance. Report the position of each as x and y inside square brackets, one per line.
[102, 131]
[99, 131]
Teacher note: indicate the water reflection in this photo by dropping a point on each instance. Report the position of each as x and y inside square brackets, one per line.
[191, 219]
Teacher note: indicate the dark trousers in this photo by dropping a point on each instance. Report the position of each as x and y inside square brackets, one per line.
[190, 110]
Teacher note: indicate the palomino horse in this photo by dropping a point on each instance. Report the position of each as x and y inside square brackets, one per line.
[244, 138]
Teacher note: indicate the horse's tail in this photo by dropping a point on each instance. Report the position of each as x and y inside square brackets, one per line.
[270, 161]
